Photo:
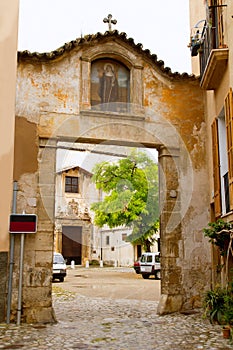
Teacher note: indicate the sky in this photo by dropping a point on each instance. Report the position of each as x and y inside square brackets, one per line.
[94, 154]
[160, 26]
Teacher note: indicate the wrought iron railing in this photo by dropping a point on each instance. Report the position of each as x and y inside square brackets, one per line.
[206, 46]
[209, 37]
[213, 34]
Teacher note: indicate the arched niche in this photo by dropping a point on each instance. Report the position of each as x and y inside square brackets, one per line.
[129, 71]
[110, 86]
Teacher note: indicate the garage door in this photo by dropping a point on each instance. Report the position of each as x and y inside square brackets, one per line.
[72, 244]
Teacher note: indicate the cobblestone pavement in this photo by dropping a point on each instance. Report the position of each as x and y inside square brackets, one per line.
[97, 323]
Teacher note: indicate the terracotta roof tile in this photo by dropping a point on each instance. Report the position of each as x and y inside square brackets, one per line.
[79, 42]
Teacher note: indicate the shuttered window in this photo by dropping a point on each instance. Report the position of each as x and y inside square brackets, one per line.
[220, 24]
[216, 8]
[216, 170]
[229, 132]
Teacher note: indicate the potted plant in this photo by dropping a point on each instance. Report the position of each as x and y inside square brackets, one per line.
[213, 304]
[228, 312]
[218, 307]
[218, 303]
[226, 332]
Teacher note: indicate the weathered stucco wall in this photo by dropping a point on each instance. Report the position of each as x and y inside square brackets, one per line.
[166, 112]
[26, 147]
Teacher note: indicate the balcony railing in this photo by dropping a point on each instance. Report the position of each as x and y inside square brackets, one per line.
[208, 43]
[208, 35]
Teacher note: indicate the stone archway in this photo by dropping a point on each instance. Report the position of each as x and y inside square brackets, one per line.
[166, 112]
[175, 197]
[178, 181]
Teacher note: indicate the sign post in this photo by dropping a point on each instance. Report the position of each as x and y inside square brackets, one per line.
[22, 224]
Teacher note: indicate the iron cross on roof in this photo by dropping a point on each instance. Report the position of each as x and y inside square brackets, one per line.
[110, 21]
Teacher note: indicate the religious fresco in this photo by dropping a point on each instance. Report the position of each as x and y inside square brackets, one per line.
[109, 86]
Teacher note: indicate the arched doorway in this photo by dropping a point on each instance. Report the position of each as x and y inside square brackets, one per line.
[172, 153]
[164, 111]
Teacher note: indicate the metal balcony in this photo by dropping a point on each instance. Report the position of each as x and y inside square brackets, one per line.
[207, 40]
[213, 59]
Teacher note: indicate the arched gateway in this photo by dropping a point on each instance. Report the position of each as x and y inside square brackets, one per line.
[106, 88]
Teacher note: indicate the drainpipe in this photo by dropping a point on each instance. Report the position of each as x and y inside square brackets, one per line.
[12, 244]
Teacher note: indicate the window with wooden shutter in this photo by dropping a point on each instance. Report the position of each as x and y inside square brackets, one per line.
[216, 20]
[216, 170]
[229, 132]
[220, 24]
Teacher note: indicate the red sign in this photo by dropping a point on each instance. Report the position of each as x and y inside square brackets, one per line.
[25, 223]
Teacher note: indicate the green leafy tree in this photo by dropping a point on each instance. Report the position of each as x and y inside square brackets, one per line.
[131, 196]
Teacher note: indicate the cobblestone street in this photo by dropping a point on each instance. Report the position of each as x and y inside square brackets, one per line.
[109, 323]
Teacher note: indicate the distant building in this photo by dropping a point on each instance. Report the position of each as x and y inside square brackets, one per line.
[75, 235]
[116, 250]
[73, 227]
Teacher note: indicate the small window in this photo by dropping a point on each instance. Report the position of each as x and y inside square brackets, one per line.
[112, 249]
[71, 184]
[107, 240]
[124, 236]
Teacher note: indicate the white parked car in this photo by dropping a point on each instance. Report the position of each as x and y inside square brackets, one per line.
[59, 267]
[150, 265]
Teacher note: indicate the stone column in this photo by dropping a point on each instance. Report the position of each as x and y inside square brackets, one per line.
[58, 238]
[37, 284]
[171, 280]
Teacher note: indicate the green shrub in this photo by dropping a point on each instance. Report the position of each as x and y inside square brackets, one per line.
[218, 305]
[218, 233]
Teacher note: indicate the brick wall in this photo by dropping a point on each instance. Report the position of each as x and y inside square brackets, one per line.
[3, 280]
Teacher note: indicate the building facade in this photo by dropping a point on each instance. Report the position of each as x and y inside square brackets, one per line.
[212, 49]
[61, 96]
[76, 236]
[73, 224]
[104, 88]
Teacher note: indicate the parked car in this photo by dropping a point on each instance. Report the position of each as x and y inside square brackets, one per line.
[150, 265]
[59, 267]
[136, 266]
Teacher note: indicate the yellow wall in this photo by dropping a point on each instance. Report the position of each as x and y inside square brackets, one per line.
[8, 63]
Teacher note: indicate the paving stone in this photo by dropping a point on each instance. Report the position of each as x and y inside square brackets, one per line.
[107, 324]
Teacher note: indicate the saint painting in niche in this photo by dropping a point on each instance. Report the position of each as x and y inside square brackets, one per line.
[109, 86]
